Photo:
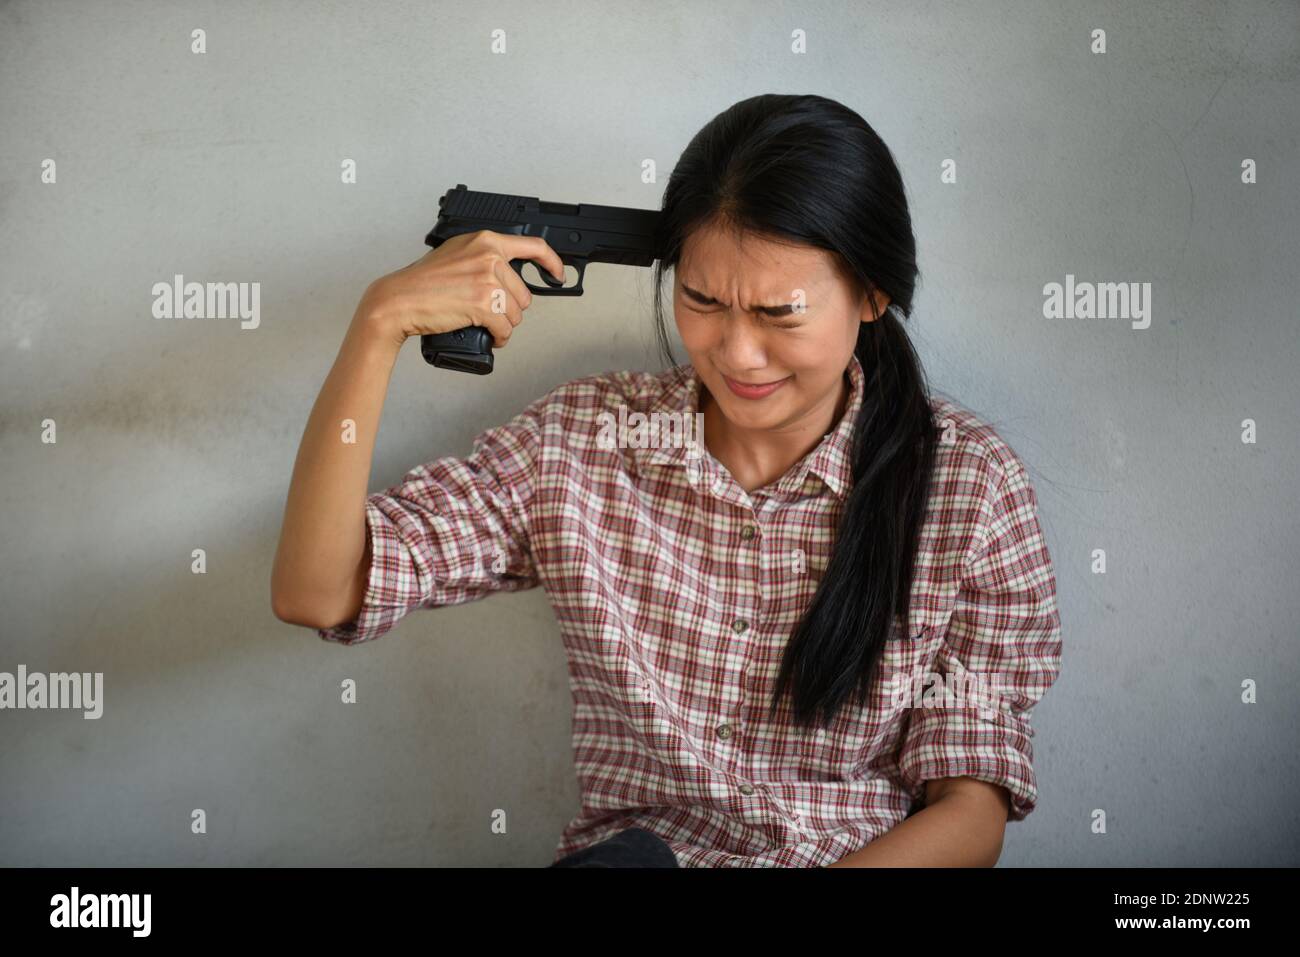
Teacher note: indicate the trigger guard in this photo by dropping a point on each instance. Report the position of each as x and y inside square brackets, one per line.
[552, 285]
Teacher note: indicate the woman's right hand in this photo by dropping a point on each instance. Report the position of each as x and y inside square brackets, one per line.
[467, 281]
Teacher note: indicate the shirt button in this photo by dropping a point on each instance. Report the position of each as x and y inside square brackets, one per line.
[723, 731]
[747, 532]
[739, 625]
[746, 789]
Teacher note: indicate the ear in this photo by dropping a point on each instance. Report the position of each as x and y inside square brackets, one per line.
[881, 299]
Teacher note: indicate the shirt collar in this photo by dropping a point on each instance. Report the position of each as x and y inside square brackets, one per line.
[831, 460]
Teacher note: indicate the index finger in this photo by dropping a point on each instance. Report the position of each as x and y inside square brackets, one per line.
[532, 247]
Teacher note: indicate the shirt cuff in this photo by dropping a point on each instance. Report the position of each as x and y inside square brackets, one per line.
[989, 745]
[375, 618]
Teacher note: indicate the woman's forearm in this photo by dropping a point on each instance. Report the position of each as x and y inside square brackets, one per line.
[317, 579]
[960, 829]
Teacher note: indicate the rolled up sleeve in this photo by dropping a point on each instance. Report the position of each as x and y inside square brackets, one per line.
[452, 531]
[1006, 631]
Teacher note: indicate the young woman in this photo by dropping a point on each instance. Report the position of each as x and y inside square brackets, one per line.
[745, 623]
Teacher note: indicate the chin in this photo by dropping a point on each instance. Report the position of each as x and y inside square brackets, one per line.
[751, 410]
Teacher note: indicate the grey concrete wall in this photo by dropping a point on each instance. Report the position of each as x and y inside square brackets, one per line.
[1122, 166]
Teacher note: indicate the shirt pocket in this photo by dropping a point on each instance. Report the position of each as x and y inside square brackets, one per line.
[863, 732]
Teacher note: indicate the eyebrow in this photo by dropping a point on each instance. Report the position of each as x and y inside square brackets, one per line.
[704, 300]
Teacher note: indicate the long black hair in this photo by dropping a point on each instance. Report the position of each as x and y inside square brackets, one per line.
[807, 169]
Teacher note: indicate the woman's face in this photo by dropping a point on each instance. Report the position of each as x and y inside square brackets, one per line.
[737, 302]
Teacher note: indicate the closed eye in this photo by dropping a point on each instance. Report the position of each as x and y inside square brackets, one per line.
[703, 300]
[769, 323]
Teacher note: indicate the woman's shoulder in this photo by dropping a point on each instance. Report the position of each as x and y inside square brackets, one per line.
[970, 447]
[574, 417]
[629, 389]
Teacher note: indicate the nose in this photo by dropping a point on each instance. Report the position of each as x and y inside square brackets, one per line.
[742, 347]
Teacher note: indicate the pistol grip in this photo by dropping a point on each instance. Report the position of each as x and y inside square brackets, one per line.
[464, 350]
[470, 349]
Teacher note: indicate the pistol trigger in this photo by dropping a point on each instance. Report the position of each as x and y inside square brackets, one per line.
[518, 266]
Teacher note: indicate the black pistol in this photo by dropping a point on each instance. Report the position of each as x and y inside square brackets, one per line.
[580, 234]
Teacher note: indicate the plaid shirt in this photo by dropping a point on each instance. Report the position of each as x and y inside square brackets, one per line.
[676, 591]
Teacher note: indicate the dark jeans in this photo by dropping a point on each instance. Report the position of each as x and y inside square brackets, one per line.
[633, 847]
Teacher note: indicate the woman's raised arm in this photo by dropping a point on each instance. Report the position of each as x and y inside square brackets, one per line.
[321, 564]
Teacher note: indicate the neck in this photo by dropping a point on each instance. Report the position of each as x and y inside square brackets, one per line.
[758, 457]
